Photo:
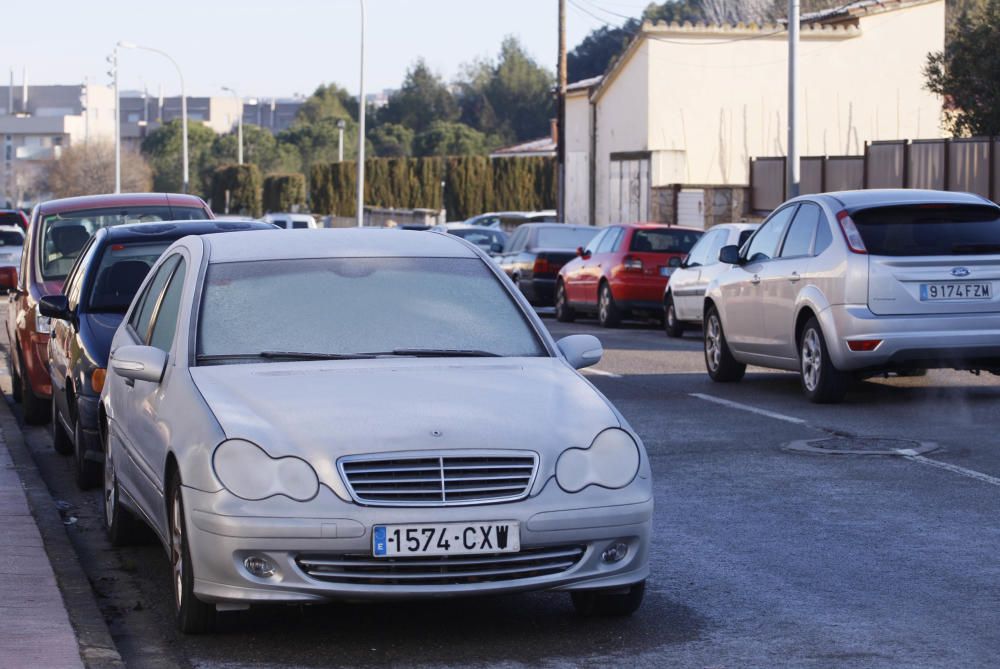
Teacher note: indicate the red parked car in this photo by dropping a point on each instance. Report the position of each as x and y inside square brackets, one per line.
[57, 232]
[622, 271]
[13, 217]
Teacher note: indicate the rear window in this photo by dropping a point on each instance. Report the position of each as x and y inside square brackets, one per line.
[64, 234]
[11, 218]
[663, 241]
[11, 238]
[564, 237]
[930, 230]
[119, 274]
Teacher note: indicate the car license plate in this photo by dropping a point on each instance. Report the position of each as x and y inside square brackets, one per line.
[955, 291]
[446, 539]
[666, 271]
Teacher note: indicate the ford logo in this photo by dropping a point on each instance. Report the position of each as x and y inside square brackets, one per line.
[960, 271]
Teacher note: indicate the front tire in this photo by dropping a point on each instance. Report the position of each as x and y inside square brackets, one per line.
[193, 615]
[88, 472]
[595, 603]
[608, 313]
[719, 361]
[673, 327]
[822, 383]
[564, 312]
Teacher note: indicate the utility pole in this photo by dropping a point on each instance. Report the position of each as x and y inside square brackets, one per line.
[793, 98]
[361, 126]
[561, 117]
[118, 123]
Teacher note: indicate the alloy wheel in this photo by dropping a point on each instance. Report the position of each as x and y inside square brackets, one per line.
[602, 304]
[812, 359]
[713, 342]
[177, 549]
[671, 316]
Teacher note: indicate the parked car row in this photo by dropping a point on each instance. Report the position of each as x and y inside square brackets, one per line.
[281, 464]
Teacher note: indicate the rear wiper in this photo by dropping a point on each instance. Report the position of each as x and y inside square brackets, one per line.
[443, 353]
[283, 355]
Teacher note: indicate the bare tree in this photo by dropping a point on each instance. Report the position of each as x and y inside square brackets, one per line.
[88, 169]
[725, 12]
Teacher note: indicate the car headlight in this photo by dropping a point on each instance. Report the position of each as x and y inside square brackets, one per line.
[43, 324]
[248, 471]
[612, 461]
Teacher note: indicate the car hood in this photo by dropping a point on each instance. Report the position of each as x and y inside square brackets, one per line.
[323, 410]
[98, 330]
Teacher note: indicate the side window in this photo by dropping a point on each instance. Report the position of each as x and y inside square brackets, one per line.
[798, 241]
[144, 305]
[764, 244]
[165, 322]
[619, 238]
[74, 283]
[823, 235]
[594, 243]
[608, 242]
[701, 252]
[744, 236]
[517, 242]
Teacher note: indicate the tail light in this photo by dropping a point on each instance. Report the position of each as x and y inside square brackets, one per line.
[851, 234]
[543, 266]
[632, 264]
[863, 344]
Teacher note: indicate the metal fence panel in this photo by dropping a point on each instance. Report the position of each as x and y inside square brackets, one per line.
[811, 174]
[767, 181]
[886, 164]
[845, 173]
[969, 165]
[927, 164]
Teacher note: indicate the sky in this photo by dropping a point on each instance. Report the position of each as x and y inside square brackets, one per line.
[279, 48]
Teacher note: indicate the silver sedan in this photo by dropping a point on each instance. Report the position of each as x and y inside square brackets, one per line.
[364, 414]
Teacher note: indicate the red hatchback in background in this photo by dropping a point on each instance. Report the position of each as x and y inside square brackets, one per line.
[56, 234]
[623, 270]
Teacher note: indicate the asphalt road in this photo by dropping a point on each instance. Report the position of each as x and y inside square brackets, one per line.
[762, 557]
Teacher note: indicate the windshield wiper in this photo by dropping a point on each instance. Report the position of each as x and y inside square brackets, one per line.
[283, 355]
[444, 353]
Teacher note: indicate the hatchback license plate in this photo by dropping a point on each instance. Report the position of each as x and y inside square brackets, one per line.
[955, 291]
[446, 539]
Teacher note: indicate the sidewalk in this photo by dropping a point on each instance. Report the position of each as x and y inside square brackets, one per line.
[36, 631]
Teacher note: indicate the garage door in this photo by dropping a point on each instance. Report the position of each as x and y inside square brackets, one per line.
[628, 191]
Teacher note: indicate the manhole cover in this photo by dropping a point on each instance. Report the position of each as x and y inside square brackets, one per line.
[844, 445]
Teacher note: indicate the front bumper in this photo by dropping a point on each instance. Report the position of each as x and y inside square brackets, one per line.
[961, 341]
[328, 527]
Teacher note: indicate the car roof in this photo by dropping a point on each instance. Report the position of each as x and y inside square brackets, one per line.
[289, 216]
[120, 199]
[170, 230]
[651, 225]
[876, 197]
[12, 228]
[554, 224]
[335, 243]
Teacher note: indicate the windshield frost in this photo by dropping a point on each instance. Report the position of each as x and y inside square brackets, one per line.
[360, 305]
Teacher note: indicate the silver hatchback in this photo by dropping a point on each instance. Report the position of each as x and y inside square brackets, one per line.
[844, 285]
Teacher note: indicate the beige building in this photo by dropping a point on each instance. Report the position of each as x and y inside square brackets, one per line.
[692, 104]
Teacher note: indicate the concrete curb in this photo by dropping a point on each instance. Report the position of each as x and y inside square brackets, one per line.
[97, 649]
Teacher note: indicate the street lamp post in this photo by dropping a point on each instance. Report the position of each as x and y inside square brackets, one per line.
[184, 114]
[118, 123]
[361, 125]
[239, 126]
[340, 140]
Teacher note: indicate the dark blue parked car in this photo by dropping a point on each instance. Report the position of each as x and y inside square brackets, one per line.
[97, 293]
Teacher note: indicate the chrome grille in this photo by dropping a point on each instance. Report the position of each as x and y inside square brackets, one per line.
[448, 570]
[442, 479]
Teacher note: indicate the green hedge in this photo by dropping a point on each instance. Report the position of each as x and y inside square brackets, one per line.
[243, 183]
[472, 185]
[284, 192]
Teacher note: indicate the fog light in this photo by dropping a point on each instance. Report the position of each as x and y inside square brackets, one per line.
[615, 552]
[259, 566]
[863, 344]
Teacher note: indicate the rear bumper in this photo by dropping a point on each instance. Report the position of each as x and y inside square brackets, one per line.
[960, 341]
[36, 360]
[639, 292]
[539, 290]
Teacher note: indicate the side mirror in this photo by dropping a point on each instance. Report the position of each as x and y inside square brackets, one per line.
[139, 363]
[730, 255]
[582, 252]
[8, 278]
[581, 350]
[55, 306]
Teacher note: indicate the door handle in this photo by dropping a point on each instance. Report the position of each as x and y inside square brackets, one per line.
[794, 277]
[755, 280]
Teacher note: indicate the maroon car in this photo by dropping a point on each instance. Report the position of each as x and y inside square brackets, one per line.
[56, 233]
[13, 217]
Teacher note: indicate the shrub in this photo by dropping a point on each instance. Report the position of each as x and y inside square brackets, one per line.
[243, 185]
[284, 192]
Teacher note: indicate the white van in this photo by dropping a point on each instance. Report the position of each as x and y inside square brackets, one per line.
[291, 221]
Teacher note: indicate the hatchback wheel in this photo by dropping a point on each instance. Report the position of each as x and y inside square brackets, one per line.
[607, 311]
[564, 312]
[719, 360]
[121, 525]
[60, 439]
[591, 603]
[88, 472]
[193, 615]
[821, 381]
[673, 327]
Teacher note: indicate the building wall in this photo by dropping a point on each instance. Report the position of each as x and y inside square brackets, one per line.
[578, 119]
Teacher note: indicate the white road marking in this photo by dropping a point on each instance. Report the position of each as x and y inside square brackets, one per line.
[747, 407]
[955, 469]
[600, 372]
